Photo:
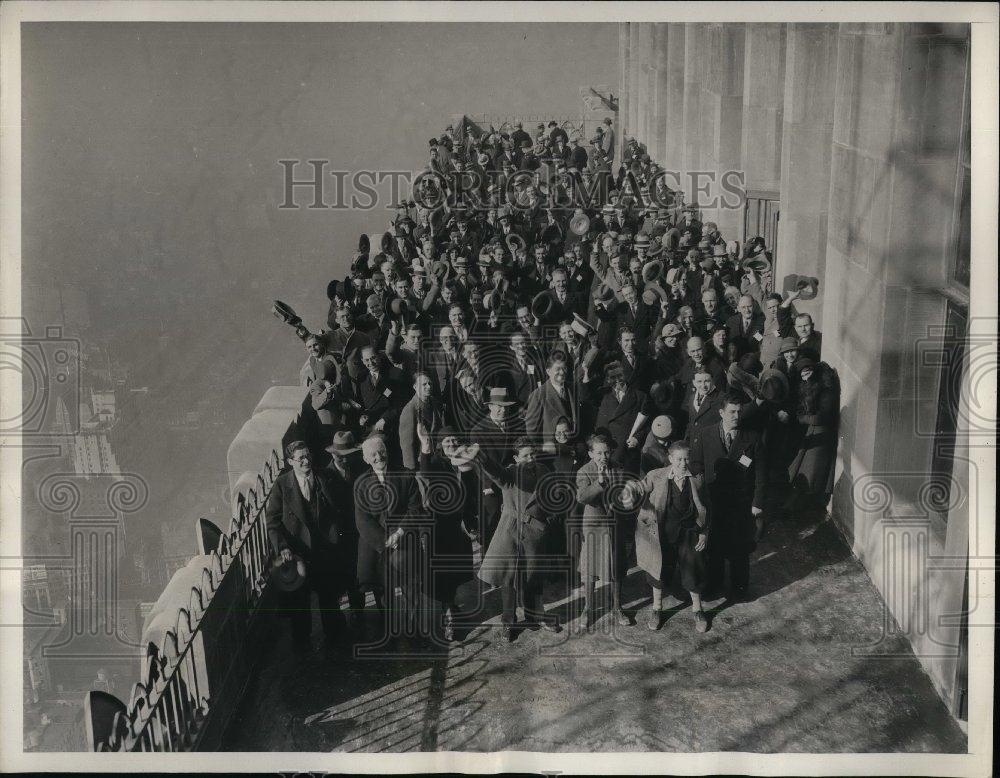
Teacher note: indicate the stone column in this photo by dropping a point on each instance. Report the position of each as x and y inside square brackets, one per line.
[624, 56]
[694, 64]
[763, 97]
[673, 152]
[810, 84]
[660, 95]
[634, 76]
[722, 118]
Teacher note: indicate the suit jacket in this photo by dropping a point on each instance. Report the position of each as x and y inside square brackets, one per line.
[443, 367]
[618, 417]
[378, 512]
[384, 399]
[735, 480]
[641, 321]
[745, 338]
[523, 382]
[545, 407]
[349, 347]
[707, 412]
[306, 528]
[712, 366]
[431, 413]
[812, 346]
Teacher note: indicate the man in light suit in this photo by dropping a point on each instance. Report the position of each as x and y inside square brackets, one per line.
[304, 525]
[730, 462]
[424, 407]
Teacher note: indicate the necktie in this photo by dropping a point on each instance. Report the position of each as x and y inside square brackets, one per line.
[729, 440]
[697, 403]
[306, 489]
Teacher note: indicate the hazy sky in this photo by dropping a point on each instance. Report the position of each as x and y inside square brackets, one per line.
[151, 185]
[157, 144]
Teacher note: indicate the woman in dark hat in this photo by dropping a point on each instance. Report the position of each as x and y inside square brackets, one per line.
[449, 497]
[817, 415]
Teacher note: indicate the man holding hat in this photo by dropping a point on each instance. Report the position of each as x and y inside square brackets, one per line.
[304, 527]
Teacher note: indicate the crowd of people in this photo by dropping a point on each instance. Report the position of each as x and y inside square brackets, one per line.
[546, 369]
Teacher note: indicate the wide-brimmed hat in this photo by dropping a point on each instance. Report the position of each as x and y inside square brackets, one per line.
[542, 304]
[499, 395]
[581, 326]
[742, 379]
[641, 241]
[671, 330]
[343, 443]
[288, 576]
[773, 385]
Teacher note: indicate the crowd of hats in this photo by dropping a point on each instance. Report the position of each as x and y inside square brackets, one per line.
[491, 244]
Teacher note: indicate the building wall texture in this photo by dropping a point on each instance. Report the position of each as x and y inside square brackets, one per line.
[862, 132]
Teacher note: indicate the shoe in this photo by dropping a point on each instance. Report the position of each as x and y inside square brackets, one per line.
[549, 626]
[655, 620]
[700, 621]
[621, 619]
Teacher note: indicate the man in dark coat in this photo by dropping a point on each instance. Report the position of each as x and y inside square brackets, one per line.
[622, 414]
[701, 404]
[699, 361]
[344, 468]
[810, 342]
[526, 370]
[731, 464]
[745, 329]
[304, 526]
[382, 392]
[387, 511]
[495, 435]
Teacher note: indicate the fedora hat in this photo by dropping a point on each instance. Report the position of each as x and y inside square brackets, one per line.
[808, 287]
[398, 306]
[499, 395]
[604, 294]
[288, 576]
[671, 330]
[343, 443]
[773, 385]
[581, 326]
[671, 239]
[439, 268]
[542, 304]
[515, 242]
[641, 241]
[579, 224]
[758, 263]
[652, 271]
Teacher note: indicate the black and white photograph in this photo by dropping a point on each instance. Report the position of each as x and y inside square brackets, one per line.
[554, 387]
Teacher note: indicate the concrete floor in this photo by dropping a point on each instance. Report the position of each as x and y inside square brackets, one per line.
[803, 667]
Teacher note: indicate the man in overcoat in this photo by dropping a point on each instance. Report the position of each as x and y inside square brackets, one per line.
[304, 525]
[730, 463]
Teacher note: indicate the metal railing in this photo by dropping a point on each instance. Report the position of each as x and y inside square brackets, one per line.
[197, 660]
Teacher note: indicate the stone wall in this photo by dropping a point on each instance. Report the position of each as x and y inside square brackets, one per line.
[862, 130]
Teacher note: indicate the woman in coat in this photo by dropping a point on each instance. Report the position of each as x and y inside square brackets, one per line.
[514, 559]
[671, 532]
[608, 530]
[443, 487]
[811, 471]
